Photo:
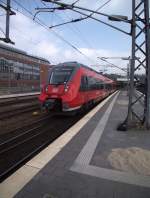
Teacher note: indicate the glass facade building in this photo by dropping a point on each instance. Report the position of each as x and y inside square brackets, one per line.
[19, 72]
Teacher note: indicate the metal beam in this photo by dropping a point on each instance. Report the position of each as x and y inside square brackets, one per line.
[72, 6]
[9, 12]
[140, 46]
[147, 37]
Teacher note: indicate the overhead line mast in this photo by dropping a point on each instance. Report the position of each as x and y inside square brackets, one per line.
[9, 12]
[140, 45]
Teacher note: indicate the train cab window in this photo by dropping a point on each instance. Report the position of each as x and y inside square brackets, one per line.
[83, 85]
[61, 75]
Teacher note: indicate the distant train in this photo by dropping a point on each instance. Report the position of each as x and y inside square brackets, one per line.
[73, 86]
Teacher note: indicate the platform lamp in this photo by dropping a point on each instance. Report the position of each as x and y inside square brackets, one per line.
[118, 18]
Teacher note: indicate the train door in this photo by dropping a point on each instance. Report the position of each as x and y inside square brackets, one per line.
[91, 88]
[84, 89]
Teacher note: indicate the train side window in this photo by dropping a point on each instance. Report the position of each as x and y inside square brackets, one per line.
[90, 83]
[99, 84]
[96, 84]
[102, 86]
[83, 85]
[108, 86]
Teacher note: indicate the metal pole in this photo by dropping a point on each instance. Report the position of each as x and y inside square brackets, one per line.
[9, 78]
[147, 32]
[9, 12]
[128, 76]
[7, 19]
[132, 66]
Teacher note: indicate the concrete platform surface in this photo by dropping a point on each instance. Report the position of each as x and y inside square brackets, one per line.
[78, 166]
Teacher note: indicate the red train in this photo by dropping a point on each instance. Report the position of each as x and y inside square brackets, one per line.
[73, 86]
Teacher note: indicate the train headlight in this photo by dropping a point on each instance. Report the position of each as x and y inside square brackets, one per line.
[46, 89]
[66, 88]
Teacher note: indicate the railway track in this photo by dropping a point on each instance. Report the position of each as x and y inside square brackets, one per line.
[11, 107]
[20, 147]
[8, 113]
[15, 132]
[14, 100]
[17, 147]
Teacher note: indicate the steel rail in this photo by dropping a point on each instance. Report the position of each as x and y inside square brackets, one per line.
[18, 111]
[24, 133]
[22, 160]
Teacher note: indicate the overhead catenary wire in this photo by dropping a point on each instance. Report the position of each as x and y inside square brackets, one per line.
[52, 14]
[64, 6]
[2, 30]
[104, 4]
[100, 7]
[105, 23]
[113, 65]
[73, 20]
[75, 2]
[55, 33]
[74, 29]
[41, 23]
[76, 20]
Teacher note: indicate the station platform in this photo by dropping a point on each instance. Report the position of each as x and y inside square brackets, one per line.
[18, 95]
[90, 160]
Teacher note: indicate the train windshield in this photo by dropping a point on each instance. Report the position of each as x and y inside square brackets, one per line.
[61, 75]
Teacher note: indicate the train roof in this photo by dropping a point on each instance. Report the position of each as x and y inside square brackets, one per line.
[18, 51]
[76, 64]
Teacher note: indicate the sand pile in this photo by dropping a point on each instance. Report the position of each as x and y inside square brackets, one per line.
[132, 159]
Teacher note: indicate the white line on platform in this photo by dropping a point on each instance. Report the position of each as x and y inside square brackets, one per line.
[23, 175]
[82, 162]
[114, 175]
[87, 152]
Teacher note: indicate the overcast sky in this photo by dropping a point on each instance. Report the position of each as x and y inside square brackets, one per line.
[90, 37]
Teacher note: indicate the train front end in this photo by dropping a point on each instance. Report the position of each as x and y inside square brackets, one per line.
[61, 89]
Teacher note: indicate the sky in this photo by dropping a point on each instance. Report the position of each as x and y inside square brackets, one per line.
[90, 37]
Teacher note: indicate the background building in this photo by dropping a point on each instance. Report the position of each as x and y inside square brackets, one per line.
[21, 72]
